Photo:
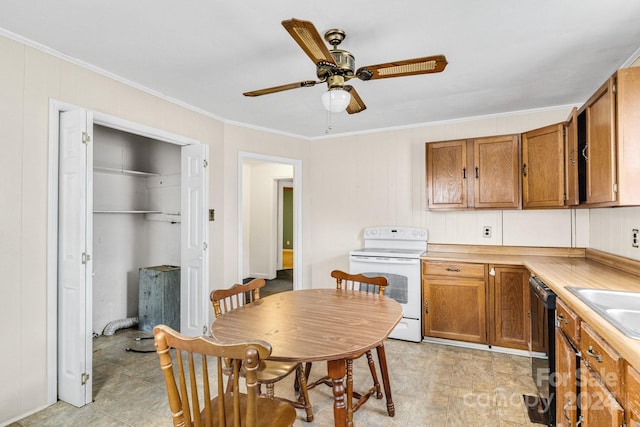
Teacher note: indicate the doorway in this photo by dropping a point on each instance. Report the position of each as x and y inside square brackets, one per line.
[71, 248]
[260, 216]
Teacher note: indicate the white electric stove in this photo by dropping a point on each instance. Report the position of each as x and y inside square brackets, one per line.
[394, 252]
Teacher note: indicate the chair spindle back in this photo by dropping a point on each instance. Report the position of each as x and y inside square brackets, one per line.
[360, 282]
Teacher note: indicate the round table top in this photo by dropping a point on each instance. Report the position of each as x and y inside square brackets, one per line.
[313, 324]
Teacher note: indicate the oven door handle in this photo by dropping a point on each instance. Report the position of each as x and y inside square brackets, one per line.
[384, 260]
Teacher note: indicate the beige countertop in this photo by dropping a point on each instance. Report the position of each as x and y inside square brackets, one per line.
[560, 271]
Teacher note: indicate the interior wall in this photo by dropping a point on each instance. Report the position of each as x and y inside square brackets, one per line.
[611, 229]
[29, 79]
[379, 179]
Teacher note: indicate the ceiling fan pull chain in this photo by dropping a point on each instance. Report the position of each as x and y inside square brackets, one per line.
[328, 129]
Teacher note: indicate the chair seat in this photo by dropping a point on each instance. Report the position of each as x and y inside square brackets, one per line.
[271, 413]
[273, 371]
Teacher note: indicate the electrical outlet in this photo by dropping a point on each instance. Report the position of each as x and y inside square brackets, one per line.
[634, 238]
[486, 231]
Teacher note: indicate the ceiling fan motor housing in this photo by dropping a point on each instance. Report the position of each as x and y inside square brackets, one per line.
[345, 65]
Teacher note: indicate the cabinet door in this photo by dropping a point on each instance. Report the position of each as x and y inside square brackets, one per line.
[601, 146]
[496, 172]
[543, 167]
[447, 174]
[566, 382]
[571, 157]
[632, 385]
[509, 307]
[597, 405]
[455, 309]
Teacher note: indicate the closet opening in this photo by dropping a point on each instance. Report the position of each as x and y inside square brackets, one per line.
[124, 199]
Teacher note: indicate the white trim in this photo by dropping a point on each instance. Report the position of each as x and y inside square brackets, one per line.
[114, 122]
[297, 211]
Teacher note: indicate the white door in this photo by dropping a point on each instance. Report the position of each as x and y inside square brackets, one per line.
[74, 257]
[194, 301]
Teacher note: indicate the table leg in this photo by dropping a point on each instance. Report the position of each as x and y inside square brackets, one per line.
[382, 359]
[336, 370]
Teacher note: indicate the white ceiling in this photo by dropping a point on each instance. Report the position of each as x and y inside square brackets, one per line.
[504, 55]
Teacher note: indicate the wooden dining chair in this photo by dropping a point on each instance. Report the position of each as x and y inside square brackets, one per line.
[361, 283]
[185, 362]
[270, 372]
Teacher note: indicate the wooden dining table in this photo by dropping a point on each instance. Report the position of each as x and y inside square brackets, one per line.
[313, 325]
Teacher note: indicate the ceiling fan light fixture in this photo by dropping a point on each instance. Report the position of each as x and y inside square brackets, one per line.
[336, 100]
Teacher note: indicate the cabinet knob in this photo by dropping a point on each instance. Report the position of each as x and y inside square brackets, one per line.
[492, 272]
[453, 270]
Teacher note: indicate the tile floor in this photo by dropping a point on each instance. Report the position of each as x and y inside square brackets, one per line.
[432, 384]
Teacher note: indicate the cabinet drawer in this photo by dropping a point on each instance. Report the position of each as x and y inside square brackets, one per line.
[633, 389]
[451, 269]
[568, 322]
[602, 359]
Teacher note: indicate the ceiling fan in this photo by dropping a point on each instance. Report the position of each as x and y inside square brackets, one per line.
[336, 67]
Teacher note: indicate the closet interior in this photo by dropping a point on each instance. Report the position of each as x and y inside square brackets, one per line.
[136, 218]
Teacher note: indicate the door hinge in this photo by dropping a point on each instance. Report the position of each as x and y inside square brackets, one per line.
[204, 246]
[205, 163]
[86, 138]
[84, 378]
[615, 188]
[85, 257]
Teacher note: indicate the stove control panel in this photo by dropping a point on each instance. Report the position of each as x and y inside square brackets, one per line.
[395, 233]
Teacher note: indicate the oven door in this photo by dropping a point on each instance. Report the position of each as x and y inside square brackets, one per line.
[403, 275]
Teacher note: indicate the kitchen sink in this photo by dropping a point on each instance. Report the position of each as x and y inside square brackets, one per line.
[620, 308]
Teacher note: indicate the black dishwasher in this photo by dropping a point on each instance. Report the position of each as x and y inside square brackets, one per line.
[542, 370]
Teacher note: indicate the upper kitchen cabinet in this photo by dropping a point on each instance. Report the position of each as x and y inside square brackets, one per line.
[493, 163]
[447, 174]
[543, 182]
[571, 159]
[610, 145]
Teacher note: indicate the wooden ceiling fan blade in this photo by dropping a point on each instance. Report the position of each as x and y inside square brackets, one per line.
[306, 83]
[409, 67]
[355, 104]
[306, 35]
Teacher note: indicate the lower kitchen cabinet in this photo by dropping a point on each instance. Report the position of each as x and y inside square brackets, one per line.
[598, 406]
[454, 296]
[464, 302]
[566, 382]
[567, 365]
[632, 384]
[510, 313]
[595, 387]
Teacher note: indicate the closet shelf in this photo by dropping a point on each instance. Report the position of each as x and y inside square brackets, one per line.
[173, 218]
[100, 169]
[113, 211]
